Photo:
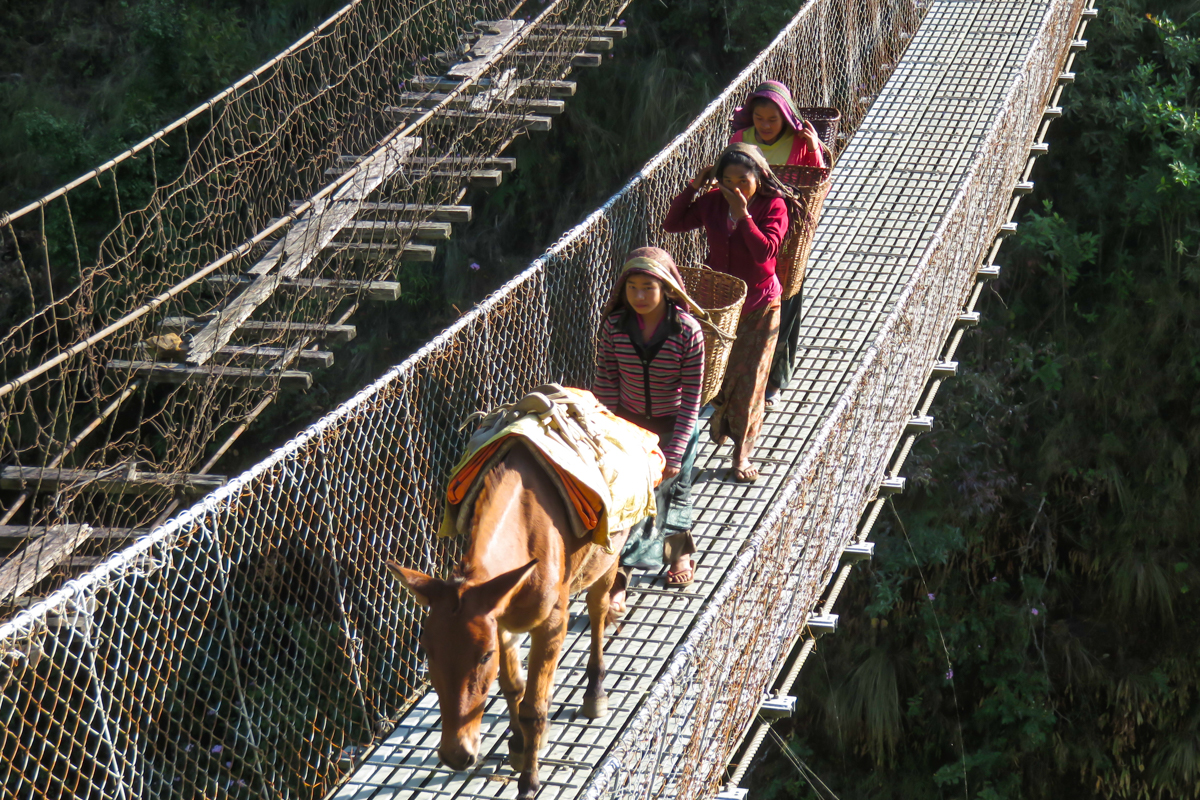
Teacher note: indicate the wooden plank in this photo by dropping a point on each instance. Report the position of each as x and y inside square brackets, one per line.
[577, 59]
[537, 88]
[26, 569]
[480, 178]
[15, 535]
[496, 35]
[83, 563]
[550, 34]
[552, 88]
[116, 480]
[472, 103]
[612, 31]
[531, 122]
[300, 247]
[165, 372]
[443, 162]
[269, 354]
[375, 291]
[592, 44]
[384, 230]
[410, 252]
[439, 213]
[263, 330]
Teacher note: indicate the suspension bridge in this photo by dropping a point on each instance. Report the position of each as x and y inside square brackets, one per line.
[251, 645]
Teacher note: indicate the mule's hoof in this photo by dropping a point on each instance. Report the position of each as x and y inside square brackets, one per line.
[527, 786]
[595, 707]
[516, 759]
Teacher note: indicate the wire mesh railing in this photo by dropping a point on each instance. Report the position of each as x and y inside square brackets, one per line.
[244, 648]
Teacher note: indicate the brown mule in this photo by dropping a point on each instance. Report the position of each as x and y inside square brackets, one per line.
[520, 568]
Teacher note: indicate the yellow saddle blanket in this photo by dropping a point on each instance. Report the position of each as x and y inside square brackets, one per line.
[605, 468]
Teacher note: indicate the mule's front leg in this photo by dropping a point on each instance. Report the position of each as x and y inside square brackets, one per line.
[512, 685]
[595, 699]
[545, 642]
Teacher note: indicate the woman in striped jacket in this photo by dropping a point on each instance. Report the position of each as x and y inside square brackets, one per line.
[649, 369]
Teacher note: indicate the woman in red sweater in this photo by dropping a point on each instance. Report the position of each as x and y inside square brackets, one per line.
[746, 217]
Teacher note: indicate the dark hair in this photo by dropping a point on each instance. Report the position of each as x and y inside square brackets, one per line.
[731, 157]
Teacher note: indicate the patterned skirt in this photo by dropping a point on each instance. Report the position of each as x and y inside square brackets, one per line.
[739, 406]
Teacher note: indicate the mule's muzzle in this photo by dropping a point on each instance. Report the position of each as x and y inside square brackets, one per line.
[457, 758]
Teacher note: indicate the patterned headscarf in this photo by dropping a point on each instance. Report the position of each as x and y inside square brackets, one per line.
[777, 93]
[657, 263]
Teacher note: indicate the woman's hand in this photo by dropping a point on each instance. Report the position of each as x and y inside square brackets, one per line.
[670, 472]
[809, 133]
[703, 179]
[738, 204]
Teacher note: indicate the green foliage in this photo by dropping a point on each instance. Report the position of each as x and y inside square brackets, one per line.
[1033, 596]
[80, 81]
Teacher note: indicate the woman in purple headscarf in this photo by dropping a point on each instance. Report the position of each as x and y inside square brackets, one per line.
[769, 121]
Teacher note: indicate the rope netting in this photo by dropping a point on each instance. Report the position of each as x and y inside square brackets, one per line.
[251, 645]
[298, 172]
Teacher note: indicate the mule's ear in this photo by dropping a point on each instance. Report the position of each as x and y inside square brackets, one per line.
[423, 587]
[496, 593]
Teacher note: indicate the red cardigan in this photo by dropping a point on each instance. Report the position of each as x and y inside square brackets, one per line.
[747, 251]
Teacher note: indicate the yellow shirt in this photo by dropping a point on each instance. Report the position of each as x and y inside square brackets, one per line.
[777, 153]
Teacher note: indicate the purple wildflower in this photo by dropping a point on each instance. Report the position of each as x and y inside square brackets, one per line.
[217, 748]
[949, 674]
[229, 764]
[621, 22]
[1033, 611]
[931, 596]
[475, 265]
[994, 579]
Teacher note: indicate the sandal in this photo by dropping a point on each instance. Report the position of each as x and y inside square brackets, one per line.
[683, 577]
[770, 398]
[745, 475]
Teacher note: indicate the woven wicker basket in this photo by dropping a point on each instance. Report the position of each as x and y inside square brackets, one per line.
[826, 121]
[811, 185]
[721, 296]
